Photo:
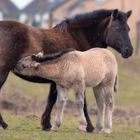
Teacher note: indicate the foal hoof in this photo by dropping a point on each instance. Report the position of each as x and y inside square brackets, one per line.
[4, 125]
[98, 130]
[54, 129]
[107, 131]
[82, 128]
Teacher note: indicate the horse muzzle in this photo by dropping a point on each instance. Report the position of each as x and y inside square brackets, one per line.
[127, 52]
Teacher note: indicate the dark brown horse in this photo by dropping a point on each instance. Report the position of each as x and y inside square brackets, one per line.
[100, 28]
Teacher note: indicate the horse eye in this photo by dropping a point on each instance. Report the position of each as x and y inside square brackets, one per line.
[23, 66]
[117, 28]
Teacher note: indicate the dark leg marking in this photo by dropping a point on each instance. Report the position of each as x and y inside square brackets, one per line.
[2, 123]
[46, 117]
[90, 127]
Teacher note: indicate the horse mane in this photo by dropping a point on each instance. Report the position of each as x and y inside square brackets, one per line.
[83, 20]
[49, 57]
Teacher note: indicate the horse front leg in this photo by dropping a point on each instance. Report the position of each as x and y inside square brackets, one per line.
[46, 117]
[90, 127]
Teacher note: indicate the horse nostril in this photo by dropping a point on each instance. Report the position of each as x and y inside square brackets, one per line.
[126, 50]
[23, 66]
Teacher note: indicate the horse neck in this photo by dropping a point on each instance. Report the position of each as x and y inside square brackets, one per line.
[55, 40]
[94, 34]
[79, 37]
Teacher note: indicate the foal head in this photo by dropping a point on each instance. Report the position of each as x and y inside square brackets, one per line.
[116, 33]
[26, 66]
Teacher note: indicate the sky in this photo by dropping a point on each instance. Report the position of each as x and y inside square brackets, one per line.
[21, 3]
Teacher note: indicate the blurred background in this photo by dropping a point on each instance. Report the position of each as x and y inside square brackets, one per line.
[21, 97]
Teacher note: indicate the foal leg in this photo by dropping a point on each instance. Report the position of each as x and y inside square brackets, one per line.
[61, 101]
[108, 110]
[46, 117]
[99, 96]
[80, 106]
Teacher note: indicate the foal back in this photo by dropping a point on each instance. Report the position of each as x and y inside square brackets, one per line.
[98, 65]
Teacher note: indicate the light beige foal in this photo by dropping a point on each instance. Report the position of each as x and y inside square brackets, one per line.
[96, 68]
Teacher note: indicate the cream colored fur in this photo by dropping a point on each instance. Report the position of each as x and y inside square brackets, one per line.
[96, 68]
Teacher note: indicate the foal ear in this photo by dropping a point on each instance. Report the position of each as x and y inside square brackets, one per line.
[36, 65]
[128, 14]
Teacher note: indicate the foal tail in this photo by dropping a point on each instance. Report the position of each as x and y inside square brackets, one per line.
[53, 56]
[116, 84]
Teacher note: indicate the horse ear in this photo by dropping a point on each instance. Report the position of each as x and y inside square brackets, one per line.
[115, 13]
[128, 14]
[113, 16]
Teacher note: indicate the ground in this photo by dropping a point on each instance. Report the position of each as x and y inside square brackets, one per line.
[22, 104]
[27, 128]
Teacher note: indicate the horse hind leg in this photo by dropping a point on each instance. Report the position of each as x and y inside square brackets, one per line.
[3, 77]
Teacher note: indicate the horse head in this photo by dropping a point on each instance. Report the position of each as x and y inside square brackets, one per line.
[117, 33]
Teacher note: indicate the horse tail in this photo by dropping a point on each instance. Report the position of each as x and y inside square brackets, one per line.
[116, 84]
[49, 57]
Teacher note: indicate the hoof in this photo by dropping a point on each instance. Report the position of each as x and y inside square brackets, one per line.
[54, 128]
[107, 131]
[82, 128]
[46, 126]
[46, 129]
[4, 125]
[90, 129]
[98, 130]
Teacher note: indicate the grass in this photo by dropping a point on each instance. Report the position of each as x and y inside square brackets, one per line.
[27, 128]
[23, 127]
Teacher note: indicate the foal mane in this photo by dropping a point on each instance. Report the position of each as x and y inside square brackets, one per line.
[84, 20]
